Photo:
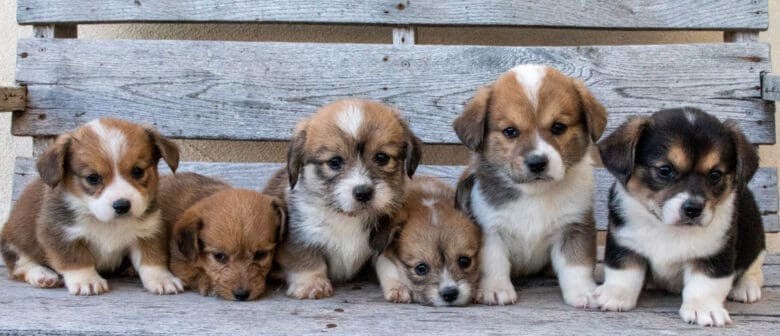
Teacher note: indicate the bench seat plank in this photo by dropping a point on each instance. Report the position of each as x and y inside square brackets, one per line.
[231, 90]
[255, 175]
[630, 14]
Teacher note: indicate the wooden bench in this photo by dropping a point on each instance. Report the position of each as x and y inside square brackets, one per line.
[258, 90]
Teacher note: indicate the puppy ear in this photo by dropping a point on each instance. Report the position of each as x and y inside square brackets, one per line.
[413, 153]
[167, 149]
[595, 113]
[281, 213]
[747, 157]
[471, 124]
[186, 234]
[295, 153]
[384, 236]
[52, 163]
[618, 150]
[463, 194]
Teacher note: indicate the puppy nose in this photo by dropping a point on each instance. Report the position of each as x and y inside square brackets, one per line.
[363, 193]
[693, 208]
[241, 294]
[536, 163]
[121, 206]
[449, 294]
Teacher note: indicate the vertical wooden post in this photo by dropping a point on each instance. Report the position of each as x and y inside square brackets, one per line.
[403, 36]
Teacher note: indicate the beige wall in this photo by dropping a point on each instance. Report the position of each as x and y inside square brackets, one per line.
[252, 151]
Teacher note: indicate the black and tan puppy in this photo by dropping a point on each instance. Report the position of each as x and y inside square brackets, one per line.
[434, 258]
[347, 171]
[94, 204]
[223, 239]
[681, 210]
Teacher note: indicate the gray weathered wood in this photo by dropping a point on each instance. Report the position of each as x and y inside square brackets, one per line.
[13, 99]
[231, 90]
[631, 14]
[255, 175]
[770, 87]
[403, 36]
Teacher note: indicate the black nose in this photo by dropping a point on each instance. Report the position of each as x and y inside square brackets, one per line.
[241, 294]
[449, 294]
[121, 206]
[692, 208]
[536, 163]
[363, 193]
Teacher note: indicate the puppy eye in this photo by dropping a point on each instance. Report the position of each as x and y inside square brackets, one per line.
[381, 159]
[511, 132]
[137, 173]
[260, 255]
[94, 179]
[464, 262]
[666, 171]
[715, 176]
[336, 163]
[421, 269]
[558, 128]
[220, 257]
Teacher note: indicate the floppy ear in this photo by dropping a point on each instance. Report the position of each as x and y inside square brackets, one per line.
[281, 213]
[413, 152]
[51, 164]
[747, 157]
[186, 234]
[295, 153]
[463, 194]
[168, 149]
[618, 150]
[471, 124]
[595, 113]
[384, 236]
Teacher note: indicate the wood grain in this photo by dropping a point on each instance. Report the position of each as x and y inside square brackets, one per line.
[255, 175]
[770, 87]
[630, 14]
[231, 90]
[13, 99]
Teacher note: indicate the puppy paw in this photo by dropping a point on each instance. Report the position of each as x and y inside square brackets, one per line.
[314, 288]
[614, 298]
[85, 282]
[746, 290]
[497, 293]
[159, 280]
[43, 277]
[710, 314]
[579, 296]
[398, 294]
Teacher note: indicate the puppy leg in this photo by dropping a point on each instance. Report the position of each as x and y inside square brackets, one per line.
[150, 259]
[496, 285]
[390, 278]
[573, 258]
[624, 277]
[24, 268]
[748, 287]
[74, 261]
[703, 297]
[305, 271]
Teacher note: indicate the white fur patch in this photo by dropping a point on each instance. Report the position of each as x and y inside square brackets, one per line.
[155, 278]
[84, 281]
[703, 299]
[555, 167]
[463, 286]
[495, 286]
[34, 273]
[620, 290]
[350, 120]
[576, 281]
[748, 287]
[113, 141]
[690, 116]
[355, 177]
[308, 285]
[395, 286]
[670, 212]
[530, 77]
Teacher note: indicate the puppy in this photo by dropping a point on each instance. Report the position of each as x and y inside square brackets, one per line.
[347, 171]
[434, 259]
[530, 181]
[681, 208]
[95, 203]
[222, 239]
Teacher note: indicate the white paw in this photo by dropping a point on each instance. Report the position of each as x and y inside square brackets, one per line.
[614, 298]
[43, 277]
[398, 294]
[159, 280]
[579, 296]
[499, 293]
[312, 288]
[746, 290]
[705, 313]
[85, 282]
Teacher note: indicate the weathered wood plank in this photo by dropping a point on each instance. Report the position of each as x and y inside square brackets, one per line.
[740, 36]
[255, 175]
[230, 90]
[631, 14]
[770, 87]
[13, 99]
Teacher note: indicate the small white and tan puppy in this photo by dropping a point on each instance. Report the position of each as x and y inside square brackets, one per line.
[530, 182]
[433, 257]
[94, 204]
[347, 171]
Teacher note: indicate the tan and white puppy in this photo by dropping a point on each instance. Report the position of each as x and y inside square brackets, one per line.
[94, 204]
[347, 170]
[222, 238]
[530, 182]
[433, 258]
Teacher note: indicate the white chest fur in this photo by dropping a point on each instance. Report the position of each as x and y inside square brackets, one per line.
[530, 225]
[344, 239]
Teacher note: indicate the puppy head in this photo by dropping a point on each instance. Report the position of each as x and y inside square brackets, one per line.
[108, 167]
[681, 164]
[355, 155]
[531, 124]
[438, 247]
[230, 238]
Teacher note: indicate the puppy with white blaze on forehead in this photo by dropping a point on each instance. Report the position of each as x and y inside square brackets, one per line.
[681, 210]
[94, 204]
[347, 171]
[530, 183]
